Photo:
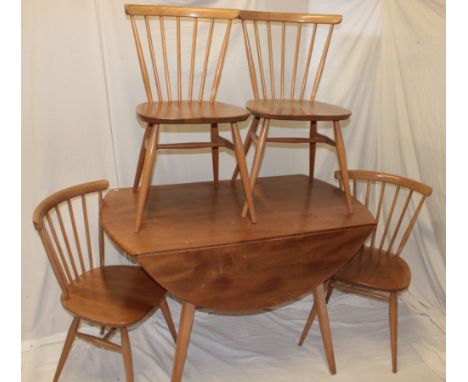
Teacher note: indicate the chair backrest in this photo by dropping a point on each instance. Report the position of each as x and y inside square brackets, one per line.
[152, 47]
[307, 28]
[55, 218]
[386, 196]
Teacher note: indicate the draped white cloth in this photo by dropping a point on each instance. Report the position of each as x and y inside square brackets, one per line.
[81, 83]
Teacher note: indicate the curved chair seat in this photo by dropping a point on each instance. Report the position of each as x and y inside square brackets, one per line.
[376, 271]
[297, 110]
[115, 296]
[190, 112]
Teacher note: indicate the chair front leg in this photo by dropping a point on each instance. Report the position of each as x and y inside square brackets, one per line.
[247, 144]
[240, 156]
[150, 160]
[141, 159]
[127, 354]
[393, 313]
[66, 347]
[341, 153]
[257, 162]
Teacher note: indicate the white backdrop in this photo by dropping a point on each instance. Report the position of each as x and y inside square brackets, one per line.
[81, 83]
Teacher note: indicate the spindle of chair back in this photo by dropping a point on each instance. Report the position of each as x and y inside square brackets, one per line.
[152, 48]
[266, 22]
[388, 196]
[56, 219]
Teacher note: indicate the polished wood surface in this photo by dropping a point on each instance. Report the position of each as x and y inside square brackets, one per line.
[377, 271]
[374, 270]
[152, 10]
[297, 110]
[113, 296]
[110, 296]
[190, 112]
[150, 26]
[193, 239]
[290, 17]
[194, 215]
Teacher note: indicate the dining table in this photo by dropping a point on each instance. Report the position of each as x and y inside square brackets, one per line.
[194, 243]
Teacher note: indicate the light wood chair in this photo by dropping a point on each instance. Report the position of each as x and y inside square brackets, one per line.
[114, 297]
[281, 97]
[150, 24]
[377, 271]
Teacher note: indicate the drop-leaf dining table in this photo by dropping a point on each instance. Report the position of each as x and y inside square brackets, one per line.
[194, 243]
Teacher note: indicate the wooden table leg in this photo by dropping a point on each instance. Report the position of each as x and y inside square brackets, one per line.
[141, 159]
[215, 153]
[257, 162]
[168, 317]
[322, 312]
[313, 314]
[150, 159]
[341, 153]
[247, 144]
[183, 339]
[240, 156]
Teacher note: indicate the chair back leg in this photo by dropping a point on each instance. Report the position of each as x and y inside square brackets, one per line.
[215, 153]
[312, 147]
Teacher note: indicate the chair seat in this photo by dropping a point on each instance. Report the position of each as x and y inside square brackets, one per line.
[190, 112]
[297, 110]
[114, 296]
[376, 271]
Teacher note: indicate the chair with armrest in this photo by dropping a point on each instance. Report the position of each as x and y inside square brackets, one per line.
[377, 271]
[112, 296]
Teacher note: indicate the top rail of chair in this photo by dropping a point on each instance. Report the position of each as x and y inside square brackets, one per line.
[157, 10]
[290, 17]
[388, 178]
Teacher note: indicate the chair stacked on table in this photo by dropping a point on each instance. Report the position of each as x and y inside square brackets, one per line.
[116, 297]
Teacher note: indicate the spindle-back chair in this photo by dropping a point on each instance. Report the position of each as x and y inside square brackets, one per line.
[113, 297]
[150, 25]
[377, 271]
[282, 97]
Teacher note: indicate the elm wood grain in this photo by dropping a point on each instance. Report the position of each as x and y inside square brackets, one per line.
[250, 277]
[297, 110]
[290, 17]
[193, 215]
[163, 108]
[190, 112]
[110, 296]
[377, 271]
[380, 271]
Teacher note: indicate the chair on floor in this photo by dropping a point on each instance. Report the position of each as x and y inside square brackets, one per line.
[168, 103]
[111, 296]
[279, 96]
[377, 271]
